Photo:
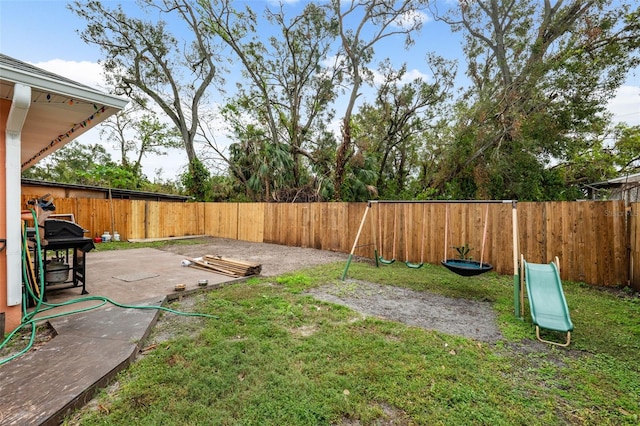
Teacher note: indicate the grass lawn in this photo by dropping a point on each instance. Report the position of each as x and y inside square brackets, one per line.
[276, 356]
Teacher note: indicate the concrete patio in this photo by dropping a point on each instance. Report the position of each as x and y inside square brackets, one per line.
[90, 348]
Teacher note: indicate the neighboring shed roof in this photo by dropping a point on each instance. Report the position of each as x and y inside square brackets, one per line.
[115, 192]
[633, 179]
[621, 188]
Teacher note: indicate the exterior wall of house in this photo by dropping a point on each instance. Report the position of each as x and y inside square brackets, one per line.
[11, 313]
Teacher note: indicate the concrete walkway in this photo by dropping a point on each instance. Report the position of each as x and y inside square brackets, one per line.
[90, 348]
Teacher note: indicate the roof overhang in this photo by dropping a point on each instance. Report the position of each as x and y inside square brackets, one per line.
[60, 109]
[628, 180]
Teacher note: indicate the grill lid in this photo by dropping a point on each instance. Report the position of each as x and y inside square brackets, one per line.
[55, 229]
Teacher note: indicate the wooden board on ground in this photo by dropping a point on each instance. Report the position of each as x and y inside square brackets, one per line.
[226, 266]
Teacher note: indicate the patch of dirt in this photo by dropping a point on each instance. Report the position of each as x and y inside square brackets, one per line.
[275, 259]
[170, 325]
[469, 318]
[390, 416]
[462, 317]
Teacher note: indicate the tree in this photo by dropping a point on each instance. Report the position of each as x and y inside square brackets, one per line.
[262, 166]
[137, 134]
[290, 92]
[85, 165]
[541, 75]
[65, 164]
[287, 91]
[615, 154]
[627, 148]
[197, 181]
[391, 129]
[375, 20]
[145, 61]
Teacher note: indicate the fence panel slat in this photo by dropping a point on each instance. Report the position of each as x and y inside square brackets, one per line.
[251, 221]
[221, 220]
[135, 224]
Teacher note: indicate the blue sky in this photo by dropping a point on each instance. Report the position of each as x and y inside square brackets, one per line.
[44, 33]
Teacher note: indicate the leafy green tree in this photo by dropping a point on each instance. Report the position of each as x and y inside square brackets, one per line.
[222, 190]
[541, 74]
[261, 166]
[627, 148]
[136, 134]
[614, 155]
[163, 185]
[197, 181]
[111, 176]
[82, 164]
[289, 90]
[362, 25]
[70, 163]
[390, 130]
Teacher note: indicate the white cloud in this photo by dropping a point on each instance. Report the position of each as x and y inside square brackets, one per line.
[411, 18]
[414, 74]
[85, 72]
[625, 107]
[278, 2]
[408, 77]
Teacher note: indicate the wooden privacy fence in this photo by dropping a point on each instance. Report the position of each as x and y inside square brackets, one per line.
[598, 242]
[589, 237]
[634, 245]
[132, 218]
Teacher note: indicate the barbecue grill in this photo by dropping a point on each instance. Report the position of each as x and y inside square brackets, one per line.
[66, 239]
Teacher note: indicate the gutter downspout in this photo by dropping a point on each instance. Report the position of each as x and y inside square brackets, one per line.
[15, 121]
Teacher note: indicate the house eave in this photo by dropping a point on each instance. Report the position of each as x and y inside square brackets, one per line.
[76, 91]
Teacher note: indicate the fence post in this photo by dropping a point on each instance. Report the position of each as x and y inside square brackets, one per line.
[633, 223]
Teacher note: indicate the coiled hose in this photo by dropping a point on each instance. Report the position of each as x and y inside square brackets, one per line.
[29, 318]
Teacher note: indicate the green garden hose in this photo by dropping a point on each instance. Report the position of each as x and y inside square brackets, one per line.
[28, 319]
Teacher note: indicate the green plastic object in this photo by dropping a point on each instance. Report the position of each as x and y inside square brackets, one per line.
[385, 261]
[346, 268]
[548, 305]
[414, 265]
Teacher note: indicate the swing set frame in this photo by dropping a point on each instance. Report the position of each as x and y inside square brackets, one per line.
[379, 258]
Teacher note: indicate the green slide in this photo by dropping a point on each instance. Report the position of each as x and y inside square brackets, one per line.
[548, 305]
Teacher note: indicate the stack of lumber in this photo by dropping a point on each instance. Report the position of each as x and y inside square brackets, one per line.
[226, 266]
